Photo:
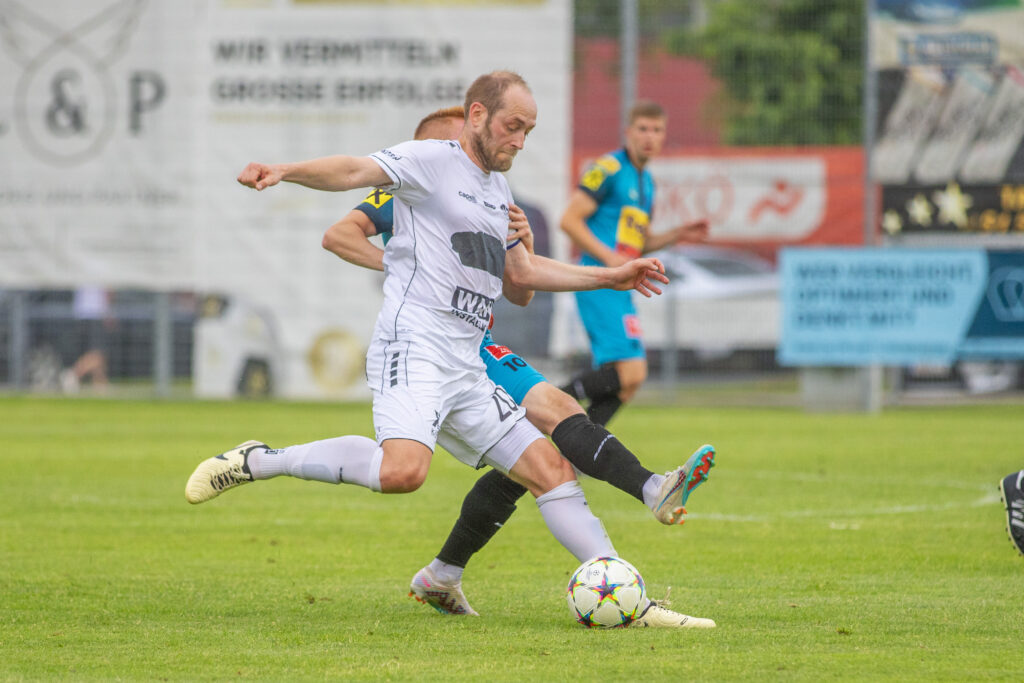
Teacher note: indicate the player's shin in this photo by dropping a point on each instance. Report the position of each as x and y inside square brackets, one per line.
[345, 459]
[594, 451]
[568, 517]
[486, 507]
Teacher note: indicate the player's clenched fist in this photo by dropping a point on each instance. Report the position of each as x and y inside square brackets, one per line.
[259, 176]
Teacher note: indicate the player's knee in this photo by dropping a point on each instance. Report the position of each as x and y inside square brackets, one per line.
[631, 378]
[404, 467]
[402, 480]
[556, 471]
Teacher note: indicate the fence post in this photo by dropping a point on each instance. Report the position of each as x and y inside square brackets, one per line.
[19, 340]
[163, 351]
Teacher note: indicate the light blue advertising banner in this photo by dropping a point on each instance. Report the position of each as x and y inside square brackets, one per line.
[848, 306]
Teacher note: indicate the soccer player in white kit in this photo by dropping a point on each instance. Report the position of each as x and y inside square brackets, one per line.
[444, 268]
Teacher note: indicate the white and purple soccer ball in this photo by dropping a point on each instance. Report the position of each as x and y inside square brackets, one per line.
[606, 592]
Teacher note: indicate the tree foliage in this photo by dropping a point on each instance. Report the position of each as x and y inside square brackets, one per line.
[792, 69]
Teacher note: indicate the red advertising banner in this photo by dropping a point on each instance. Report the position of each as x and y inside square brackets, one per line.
[761, 198]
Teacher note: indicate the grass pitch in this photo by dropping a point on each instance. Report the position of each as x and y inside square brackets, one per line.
[826, 547]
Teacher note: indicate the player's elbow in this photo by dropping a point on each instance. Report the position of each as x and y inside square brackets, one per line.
[520, 279]
[519, 297]
[333, 242]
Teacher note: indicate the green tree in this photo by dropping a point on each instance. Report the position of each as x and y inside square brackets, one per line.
[792, 69]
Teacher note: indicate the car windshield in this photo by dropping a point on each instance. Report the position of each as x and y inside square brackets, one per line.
[724, 267]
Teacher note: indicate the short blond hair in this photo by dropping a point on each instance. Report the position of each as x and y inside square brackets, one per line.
[646, 109]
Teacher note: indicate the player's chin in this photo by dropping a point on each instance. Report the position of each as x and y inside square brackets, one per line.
[503, 163]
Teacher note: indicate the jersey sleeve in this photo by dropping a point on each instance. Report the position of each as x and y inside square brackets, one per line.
[413, 168]
[597, 178]
[379, 208]
[509, 201]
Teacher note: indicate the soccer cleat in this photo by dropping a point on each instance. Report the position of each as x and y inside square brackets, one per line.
[445, 598]
[1012, 493]
[656, 616]
[680, 483]
[220, 473]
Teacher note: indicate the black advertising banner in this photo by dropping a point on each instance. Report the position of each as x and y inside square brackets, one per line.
[949, 150]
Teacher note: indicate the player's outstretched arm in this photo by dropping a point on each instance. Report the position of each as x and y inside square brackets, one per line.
[333, 174]
[539, 272]
[349, 239]
[692, 232]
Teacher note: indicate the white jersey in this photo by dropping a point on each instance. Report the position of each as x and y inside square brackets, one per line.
[444, 265]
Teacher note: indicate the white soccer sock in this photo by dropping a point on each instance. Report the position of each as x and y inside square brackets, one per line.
[651, 489]
[565, 511]
[349, 459]
[444, 572]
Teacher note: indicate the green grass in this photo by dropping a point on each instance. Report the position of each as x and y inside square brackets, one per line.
[826, 547]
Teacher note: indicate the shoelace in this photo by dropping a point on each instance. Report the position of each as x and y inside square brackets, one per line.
[228, 478]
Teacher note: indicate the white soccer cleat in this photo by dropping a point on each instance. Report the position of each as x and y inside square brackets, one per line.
[444, 597]
[680, 483]
[215, 475]
[656, 616]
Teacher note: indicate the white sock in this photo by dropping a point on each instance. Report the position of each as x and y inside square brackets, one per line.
[349, 459]
[565, 511]
[651, 487]
[444, 572]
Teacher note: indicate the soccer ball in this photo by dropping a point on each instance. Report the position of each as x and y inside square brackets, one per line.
[606, 592]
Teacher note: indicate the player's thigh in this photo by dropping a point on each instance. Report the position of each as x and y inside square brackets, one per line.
[408, 394]
[612, 325]
[547, 406]
[483, 414]
[509, 370]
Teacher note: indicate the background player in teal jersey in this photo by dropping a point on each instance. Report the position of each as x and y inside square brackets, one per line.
[607, 219]
[589, 447]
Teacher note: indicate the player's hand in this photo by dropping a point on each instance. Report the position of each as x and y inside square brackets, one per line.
[259, 176]
[640, 274]
[519, 228]
[694, 231]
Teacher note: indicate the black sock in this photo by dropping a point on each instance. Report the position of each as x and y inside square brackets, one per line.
[487, 506]
[597, 453]
[602, 410]
[595, 384]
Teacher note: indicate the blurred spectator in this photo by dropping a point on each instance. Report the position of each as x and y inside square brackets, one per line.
[94, 323]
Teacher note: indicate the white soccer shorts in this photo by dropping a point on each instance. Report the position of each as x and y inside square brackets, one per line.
[415, 397]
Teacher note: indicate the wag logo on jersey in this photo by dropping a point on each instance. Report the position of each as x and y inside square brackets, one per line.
[472, 307]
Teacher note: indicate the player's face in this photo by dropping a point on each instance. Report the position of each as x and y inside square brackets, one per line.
[504, 132]
[644, 138]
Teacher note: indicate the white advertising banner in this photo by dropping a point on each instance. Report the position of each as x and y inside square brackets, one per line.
[124, 123]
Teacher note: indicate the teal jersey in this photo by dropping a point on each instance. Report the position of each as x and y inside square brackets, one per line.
[625, 202]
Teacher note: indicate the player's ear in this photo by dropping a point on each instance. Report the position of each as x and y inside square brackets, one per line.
[477, 113]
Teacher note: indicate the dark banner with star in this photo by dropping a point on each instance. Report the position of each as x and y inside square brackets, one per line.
[949, 143]
[981, 209]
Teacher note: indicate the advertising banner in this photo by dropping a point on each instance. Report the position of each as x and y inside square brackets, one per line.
[950, 129]
[848, 307]
[124, 123]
